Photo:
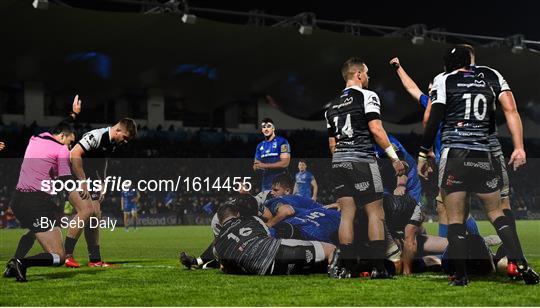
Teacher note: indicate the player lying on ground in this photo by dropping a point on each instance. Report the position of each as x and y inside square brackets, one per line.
[466, 165]
[244, 246]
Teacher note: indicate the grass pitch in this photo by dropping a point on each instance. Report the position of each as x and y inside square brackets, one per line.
[149, 274]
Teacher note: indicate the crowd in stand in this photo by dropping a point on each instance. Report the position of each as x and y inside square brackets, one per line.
[167, 154]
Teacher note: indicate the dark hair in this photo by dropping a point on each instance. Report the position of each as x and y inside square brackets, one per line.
[302, 161]
[347, 68]
[247, 205]
[455, 58]
[226, 210]
[64, 127]
[284, 180]
[129, 125]
[267, 120]
[469, 48]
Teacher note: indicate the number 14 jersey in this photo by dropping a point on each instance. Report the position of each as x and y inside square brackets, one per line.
[347, 120]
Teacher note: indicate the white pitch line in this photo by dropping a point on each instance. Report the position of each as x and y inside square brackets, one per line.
[147, 266]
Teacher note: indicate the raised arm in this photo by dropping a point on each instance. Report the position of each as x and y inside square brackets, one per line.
[409, 84]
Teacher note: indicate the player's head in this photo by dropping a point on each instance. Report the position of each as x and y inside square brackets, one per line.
[247, 205]
[355, 71]
[124, 131]
[282, 185]
[456, 58]
[227, 211]
[267, 128]
[471, 52]
[302, 165]
[64, 133]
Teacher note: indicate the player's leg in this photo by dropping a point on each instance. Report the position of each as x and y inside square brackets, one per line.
[434, 245]
[302, 257]
[126, 220]
[53, 254]
[376, 235]
[470, 222]
[91, 234]
[134, 217]
[84, 211]
[23, 247]
[441, 213]
[457, 244]
[346, 254]
[508, 235]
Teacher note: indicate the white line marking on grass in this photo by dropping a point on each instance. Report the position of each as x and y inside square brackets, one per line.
[147, 266]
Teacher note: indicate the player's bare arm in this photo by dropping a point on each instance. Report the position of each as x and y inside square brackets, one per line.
[284, 211]
[284, 160]
[315, 189]
[409, 84]
[401, 185]
[381, 138]
[332, 144]
[509, 107]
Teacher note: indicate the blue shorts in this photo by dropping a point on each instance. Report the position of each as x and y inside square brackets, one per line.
[129, 208]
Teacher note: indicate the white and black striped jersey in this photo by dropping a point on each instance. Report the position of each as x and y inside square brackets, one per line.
[499, 85]
[97, 146]
[469, 102]
[244, 246]
[346, 121]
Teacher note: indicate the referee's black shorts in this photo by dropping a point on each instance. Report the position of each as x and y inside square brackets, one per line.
[33, 208]
[360, 180]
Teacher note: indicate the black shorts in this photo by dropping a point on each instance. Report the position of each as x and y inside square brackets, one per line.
[362, 181]
[297, 257]
[499, 165]
[32, 208]
[467, 170]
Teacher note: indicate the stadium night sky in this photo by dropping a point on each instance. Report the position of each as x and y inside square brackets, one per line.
[490, 18]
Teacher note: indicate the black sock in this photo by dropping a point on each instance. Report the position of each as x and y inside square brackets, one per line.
[25, 244]
[378, 253]
[94, 253]
[42, 259]
[511, 219]
[69, 245]
[457, 248]
[509, 238]
[208, 254]
[347, 256]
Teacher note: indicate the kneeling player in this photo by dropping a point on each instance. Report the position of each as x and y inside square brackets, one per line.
[244, 246]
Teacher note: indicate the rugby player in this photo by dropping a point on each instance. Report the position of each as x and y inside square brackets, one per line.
[310, 219]
[305, 185]
[272, 155]
[244, 246]
[353, 122]
[95, 146]
[466, 165]
[406, 184]
[423, 100]
[128, 201]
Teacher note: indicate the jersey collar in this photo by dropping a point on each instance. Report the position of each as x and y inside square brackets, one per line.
[353, 87]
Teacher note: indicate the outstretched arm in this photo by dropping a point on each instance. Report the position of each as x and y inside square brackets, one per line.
[406, 80]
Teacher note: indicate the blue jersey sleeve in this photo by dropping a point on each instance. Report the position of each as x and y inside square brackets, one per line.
[284, 146]
[273, 204]
[423, 100]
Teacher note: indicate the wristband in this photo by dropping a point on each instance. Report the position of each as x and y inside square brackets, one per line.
[390, 152]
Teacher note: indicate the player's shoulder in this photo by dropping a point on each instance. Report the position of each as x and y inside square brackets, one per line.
[281, 139]
[479, 69]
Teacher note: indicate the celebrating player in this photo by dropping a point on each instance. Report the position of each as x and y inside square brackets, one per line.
[464, 100]
[272, 155]
[353, 122]
[306, 185]
[95, 146]
[423, 100]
